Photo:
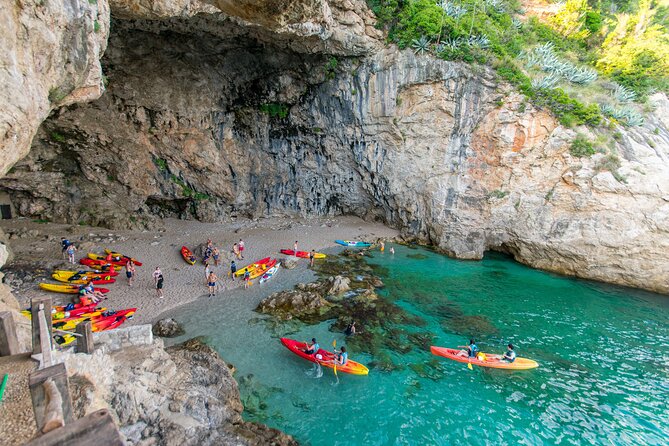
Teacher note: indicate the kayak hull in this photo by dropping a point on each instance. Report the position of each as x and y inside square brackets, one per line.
[492, 361]
[253, 266]
[353, 244]
[352, 367]
[262, 269]
[188, 256]
[302, 254]
[269, 274]
[67, 289]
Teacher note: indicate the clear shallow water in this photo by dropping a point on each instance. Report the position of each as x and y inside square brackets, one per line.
[603, 354]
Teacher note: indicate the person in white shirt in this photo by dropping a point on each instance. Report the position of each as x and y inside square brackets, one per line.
[157, 273]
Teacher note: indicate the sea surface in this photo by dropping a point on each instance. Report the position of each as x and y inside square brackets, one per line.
[603, 353]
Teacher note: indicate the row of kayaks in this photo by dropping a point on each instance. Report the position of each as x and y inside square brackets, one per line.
[326, 358]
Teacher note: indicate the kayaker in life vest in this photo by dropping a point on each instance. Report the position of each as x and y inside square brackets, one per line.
[342, 357]
[472, 349]
[312, 348]
[510, 355]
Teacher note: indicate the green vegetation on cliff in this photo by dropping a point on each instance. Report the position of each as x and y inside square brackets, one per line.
[585, 61]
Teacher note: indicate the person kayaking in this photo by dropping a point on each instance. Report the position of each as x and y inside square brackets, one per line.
[341, 358]
[350, 329]
[312, 348]
[472, 348]
[510, 355]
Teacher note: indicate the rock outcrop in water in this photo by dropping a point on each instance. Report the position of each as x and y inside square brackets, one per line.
[239, 108]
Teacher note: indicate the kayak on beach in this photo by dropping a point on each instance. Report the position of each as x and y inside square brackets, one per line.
[61, 312]
[188, 256]
[99, 264]
[67, 289]
[353, 244]
[302, 254]
[261, 269]
[492, 361]
[253, 266]
[122, 257]
[327, 358]
[83, 279]
[269, 274]
[70, 273]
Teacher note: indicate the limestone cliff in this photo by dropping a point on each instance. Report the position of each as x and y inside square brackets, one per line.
[51, 54]
[231, 108]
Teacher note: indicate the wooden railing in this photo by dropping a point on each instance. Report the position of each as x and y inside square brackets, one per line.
[49, 386]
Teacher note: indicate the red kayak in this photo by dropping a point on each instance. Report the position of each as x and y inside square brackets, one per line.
[324, 358]
[302, 254]
[188, 256]
[101, 264]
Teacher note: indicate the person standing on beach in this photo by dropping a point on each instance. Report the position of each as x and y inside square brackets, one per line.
[71, 249]
[211, 283]
[241, 248]
[235, 250]
[64, 243]
[157, 273]
[215, 253]
[295, 248]
[207, 271]
[159, 285]
[247, 278]
[233, 269]
[130, 271]
[312, 254]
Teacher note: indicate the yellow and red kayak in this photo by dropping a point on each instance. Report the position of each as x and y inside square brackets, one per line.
[492, 361]
[70, 273]
[188, 255]
[67, 289]
[262, 269]
[253, 266]
[83, 279]
[123, 258]
[326, 358]
[302, 254]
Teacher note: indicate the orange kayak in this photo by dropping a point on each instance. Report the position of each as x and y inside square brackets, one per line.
[188, 256]
[326, 360]
[492, 361]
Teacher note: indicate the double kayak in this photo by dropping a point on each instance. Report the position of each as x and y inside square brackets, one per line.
[302, 254]
[262, 269]
[67, 289]
[326, 359]
[353, 244]
[69, 273]
[99, 264]
[252, 267]
[269, 274]
[188, 255]
[492, 361]
[122, 257]
[83, 279]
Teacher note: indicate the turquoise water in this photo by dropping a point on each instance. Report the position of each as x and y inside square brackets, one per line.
[603, 354]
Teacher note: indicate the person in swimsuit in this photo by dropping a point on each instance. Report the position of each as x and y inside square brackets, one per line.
[159, 286]
[350, 329]
[212, 284]
[235, 250]
[64, 243]
[207, 271]
[156, 274]
[71, 249]
[241, 248]
[247, 278]
[312, 254]
[295, 248]
[472, 349]
[215, 253]
[130, 271]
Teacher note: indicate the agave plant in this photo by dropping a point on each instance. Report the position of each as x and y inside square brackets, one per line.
[623, 94]
[497, 5]
[451, 9]
[546, 82]
[632, 117]
[451, 44]
[607, 109]
[580, 76]
[421, 45]
[481, 41]
[515, 21]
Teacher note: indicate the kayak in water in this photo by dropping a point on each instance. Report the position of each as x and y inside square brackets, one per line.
[324, 358]
[353, 244]
[486, 359]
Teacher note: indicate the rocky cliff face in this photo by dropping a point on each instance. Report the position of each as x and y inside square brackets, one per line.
[298, 110]
[51, 57]
[183, 395]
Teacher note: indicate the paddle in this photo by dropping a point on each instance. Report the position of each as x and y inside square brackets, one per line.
[334, 358]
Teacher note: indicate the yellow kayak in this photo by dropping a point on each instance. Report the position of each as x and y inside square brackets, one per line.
[83, 279]
[64, 288]
[252, 267]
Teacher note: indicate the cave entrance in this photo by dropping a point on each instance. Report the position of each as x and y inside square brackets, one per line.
[5, 206]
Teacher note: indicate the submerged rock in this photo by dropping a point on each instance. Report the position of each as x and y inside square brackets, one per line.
[168, 328]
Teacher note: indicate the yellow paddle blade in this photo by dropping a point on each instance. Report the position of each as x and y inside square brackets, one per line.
[469, 366]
